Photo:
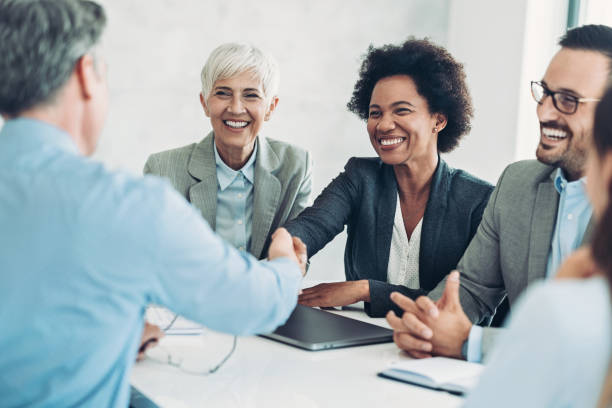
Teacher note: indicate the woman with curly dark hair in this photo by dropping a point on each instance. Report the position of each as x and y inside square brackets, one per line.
[409, 216]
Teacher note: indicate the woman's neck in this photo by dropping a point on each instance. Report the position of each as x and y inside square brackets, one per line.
[414, 177]
[235, 157]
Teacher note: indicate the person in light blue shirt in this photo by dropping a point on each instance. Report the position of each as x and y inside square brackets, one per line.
[84, 250]
[245, 185]
[557, 350]
[537, 214]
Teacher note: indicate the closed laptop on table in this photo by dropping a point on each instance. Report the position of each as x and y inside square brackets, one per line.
[314, 329]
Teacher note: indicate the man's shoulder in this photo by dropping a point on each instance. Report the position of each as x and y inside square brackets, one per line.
[97, 192]
[119, 185]
[527, 172]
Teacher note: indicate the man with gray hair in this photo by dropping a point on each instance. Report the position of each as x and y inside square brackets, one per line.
[83, 250]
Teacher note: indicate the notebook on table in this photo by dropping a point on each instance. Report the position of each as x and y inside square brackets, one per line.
[438, 373]
[314, 329]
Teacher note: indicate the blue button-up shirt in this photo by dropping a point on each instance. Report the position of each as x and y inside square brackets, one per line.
[234, 218]
[573, 216]
[83, 250]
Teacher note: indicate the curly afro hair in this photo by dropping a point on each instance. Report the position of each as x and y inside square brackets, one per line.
[438, 78]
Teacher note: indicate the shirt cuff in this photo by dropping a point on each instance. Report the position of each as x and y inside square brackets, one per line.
[474, 346]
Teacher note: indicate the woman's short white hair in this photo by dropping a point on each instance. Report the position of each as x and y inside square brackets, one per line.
[230, 59]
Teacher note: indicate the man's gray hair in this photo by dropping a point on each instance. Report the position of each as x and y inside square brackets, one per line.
[40, 42]
[228, 60]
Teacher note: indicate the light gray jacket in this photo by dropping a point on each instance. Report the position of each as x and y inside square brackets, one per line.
[511, 247]
[281, 190]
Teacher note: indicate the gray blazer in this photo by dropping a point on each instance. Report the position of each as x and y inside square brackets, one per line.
[282, 183]
[511, 247]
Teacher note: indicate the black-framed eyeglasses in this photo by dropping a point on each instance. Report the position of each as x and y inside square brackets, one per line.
[562, 101]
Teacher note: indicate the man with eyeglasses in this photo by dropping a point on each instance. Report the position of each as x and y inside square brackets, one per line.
[537, 215]
[83, 250]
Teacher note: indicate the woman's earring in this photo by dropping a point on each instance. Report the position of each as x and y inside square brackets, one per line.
[435, 129]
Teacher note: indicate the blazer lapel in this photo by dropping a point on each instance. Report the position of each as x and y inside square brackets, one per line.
[202, 167]
[435, 213]
[266, 195]
[542, 227]
[385, 215]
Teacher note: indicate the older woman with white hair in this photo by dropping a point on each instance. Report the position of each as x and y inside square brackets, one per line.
[245, 185]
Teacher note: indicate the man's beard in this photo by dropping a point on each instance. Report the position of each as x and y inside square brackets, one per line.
[571, 159]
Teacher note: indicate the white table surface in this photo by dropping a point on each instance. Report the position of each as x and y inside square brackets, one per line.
[265, 373]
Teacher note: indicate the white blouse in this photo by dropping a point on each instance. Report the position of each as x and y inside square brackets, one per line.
[403, 268]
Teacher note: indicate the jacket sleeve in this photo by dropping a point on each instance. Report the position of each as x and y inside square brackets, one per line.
[319, 224]
[380, 301]
[482, 286]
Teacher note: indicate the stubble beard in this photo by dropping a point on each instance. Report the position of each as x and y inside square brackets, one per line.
[572, 160]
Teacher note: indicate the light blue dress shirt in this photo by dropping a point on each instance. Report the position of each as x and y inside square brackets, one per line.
[556, 351]
[573, 216]
[234, 218]
[83, 250]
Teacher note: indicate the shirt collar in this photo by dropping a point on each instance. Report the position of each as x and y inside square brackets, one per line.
[561, 183]
[226, 175]
[39, 133]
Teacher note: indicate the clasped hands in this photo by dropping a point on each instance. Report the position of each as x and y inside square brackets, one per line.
[440, 328]
[431, 328]
[284, 245]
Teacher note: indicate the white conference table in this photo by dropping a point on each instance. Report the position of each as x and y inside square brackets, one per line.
[265, 373]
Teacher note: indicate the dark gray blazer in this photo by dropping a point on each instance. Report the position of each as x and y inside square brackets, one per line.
[364, 197]
[282, 183]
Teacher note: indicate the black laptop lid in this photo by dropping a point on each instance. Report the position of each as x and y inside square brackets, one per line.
[315, 329]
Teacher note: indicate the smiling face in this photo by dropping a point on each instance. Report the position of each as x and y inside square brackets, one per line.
[564, 138]
[237, 107]
[400, 126]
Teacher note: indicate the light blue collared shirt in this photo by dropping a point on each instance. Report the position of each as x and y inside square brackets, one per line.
[83, 251]
[234, 217]
[556, 351]
[573, 216]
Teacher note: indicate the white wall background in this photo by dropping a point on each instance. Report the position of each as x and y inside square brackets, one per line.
[504, 45]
